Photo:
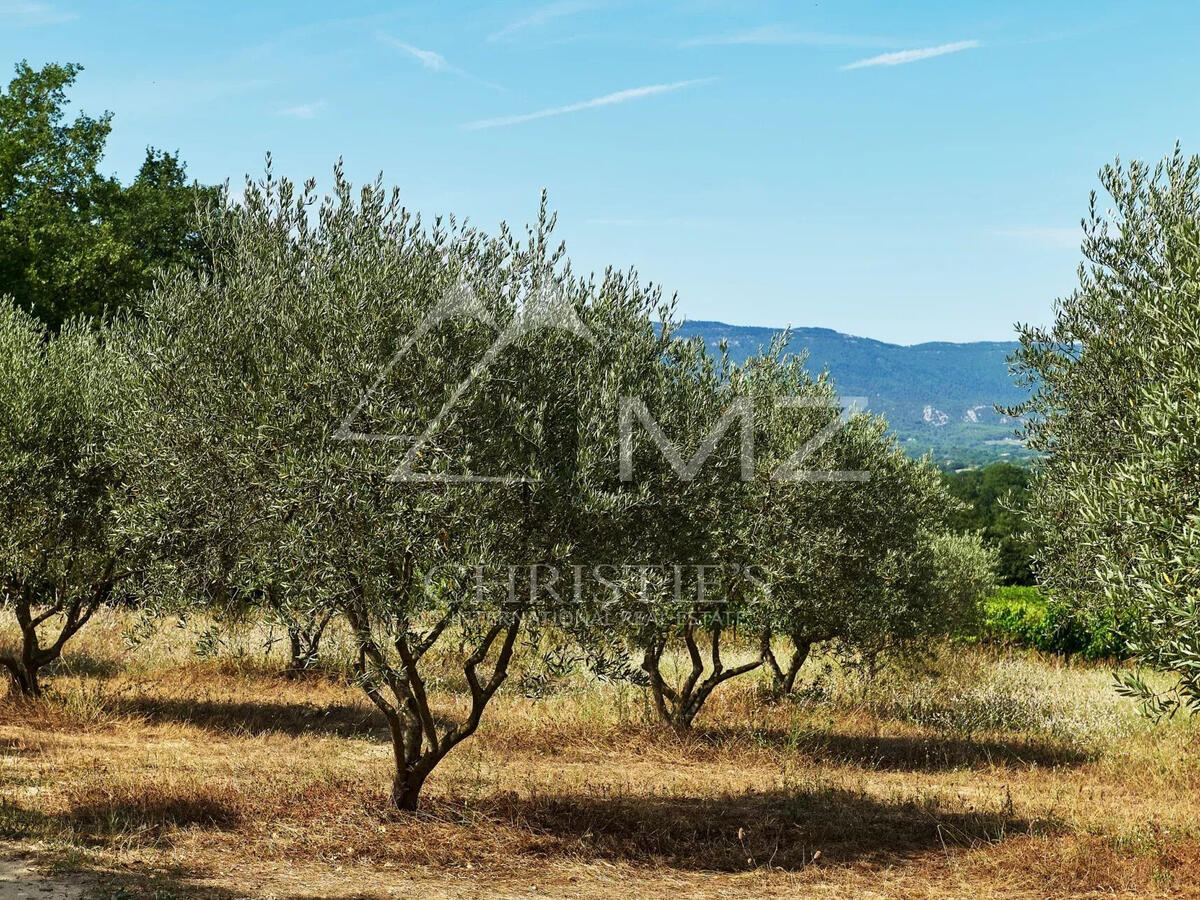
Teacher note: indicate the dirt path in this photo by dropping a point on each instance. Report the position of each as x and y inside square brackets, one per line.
[18, 881]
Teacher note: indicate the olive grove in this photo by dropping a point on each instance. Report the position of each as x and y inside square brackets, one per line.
[466, 454]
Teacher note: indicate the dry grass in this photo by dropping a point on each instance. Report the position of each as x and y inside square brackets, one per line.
[984, 775]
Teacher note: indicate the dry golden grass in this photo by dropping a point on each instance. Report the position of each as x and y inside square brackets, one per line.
[985, 775]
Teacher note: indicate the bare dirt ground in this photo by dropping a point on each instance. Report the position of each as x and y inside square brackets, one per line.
[152, 774]
[20, 881]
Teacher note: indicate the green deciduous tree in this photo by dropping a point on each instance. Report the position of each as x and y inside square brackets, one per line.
[73, 241]
[995, 505]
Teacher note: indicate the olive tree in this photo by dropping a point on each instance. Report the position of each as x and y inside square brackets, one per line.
[813, 527]
[713, 523]
[403, 423]
[60, 555]
[874, 566]
[242, 439]
[1115, 500]
[687, 517]
[537, 427]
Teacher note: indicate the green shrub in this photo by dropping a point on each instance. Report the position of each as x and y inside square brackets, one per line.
[1022, 617]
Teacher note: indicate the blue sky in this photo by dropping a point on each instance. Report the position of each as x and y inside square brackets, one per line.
[905, 171]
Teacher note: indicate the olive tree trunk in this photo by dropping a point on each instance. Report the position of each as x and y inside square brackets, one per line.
[679, 705]
[33, 613]
[304, 642]
[398, 691]
[783, 680]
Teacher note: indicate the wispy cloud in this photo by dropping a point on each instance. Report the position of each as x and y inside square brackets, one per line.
[901, 57]
[428, 58]
[304, 110]
[542, 16]
[434, 61]
[18, 14]
[782, 35]
[607, 100]
[1048, 237]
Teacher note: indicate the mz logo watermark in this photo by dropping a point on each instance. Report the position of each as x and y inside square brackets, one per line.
[547, 308]
[742, 410]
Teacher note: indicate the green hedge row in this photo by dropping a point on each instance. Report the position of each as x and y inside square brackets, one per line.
[1022, 617]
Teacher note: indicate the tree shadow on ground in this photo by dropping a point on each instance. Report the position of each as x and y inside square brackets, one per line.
[21, 745]
[258, 717]
[778, 829]
[101, 820]
[79, 662]
[782, 829]
[149, 819]
[909, 753]
[53, 874]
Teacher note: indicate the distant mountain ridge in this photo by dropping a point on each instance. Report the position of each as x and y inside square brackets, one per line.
[938, 396]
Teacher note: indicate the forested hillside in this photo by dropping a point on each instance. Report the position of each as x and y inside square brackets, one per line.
[937, 396]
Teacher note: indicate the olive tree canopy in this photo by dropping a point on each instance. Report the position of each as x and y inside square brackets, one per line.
[61, 556]
[1115, 503]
